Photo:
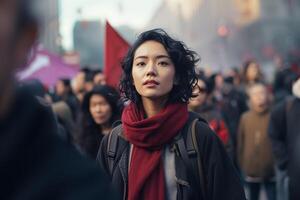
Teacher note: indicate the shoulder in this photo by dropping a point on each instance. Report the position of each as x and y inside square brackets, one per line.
[114, 142]
[208, 142]
[279, 108]
[204, 132]
[71, 167]
[246, 115]
[193, 116]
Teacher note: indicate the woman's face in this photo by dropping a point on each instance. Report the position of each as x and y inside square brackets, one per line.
[153, 71]
[252, 72]
[60, 88]
[100, 109]
[200, 93]
[219, 81]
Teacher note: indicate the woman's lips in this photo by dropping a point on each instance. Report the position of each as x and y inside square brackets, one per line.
[151, 82]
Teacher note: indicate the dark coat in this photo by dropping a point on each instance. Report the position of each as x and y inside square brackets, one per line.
[36, 164]
[216, 122]
[284, 130]
[222, 180]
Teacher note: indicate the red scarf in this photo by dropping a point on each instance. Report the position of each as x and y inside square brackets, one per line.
[148, 136]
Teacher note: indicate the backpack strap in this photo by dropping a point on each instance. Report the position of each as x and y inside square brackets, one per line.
[192, 156]
[199, 159]
[112, 147]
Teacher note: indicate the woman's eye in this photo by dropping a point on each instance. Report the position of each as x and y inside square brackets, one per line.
[140, 64]
[163, 63]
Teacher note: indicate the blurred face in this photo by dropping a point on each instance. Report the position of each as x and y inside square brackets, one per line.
[201, 91]
[252, 72]
[99, 79]
[258, 98]
[100, 109]
[88, 86]
[153, 71]
[78, 82]
[219, 81]
[248, 11]
[296, 88]
[60, 88]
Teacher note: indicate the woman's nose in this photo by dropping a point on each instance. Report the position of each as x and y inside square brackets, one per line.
[98, 108]
[151, 70]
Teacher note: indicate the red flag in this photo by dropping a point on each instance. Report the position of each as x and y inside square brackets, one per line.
[116, 48]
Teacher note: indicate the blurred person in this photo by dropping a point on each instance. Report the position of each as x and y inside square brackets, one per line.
[217, 82]
[36, 88]
[89, 82]
[234, 73]
[65, 121]
[63, 88]
[234, 104]
[63, 92]
[284, 133]
[146, 156]
[201, 104]
[283, 81]
[99, 78]
[35, 162]
[77, 84]
[295, 180]
[100, 109]
[251, 74]
[254, 146]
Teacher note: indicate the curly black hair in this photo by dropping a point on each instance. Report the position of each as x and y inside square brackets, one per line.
[184, 61]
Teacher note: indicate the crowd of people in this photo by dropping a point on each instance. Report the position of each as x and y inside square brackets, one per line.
[171, 131]
[239, 106]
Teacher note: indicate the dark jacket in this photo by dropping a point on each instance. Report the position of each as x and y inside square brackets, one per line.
[233, 106]
[222, 180]
[284, 130]
[89, 136]
[216, 122]
[36, 164]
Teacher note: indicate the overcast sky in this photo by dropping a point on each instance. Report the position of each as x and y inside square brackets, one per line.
[135, 13]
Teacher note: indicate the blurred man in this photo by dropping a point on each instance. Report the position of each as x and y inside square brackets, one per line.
[254, 146]
[63, 92]
[284, 131]
[78, 84]
[35, 163]
[99, 78]
[201, 104]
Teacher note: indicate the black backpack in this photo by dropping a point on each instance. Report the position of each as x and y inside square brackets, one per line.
[188, 150]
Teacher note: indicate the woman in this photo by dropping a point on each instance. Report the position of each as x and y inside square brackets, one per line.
[251, 73]
[63, 92]
[201, 104]
[100, 109]
[158, 79]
